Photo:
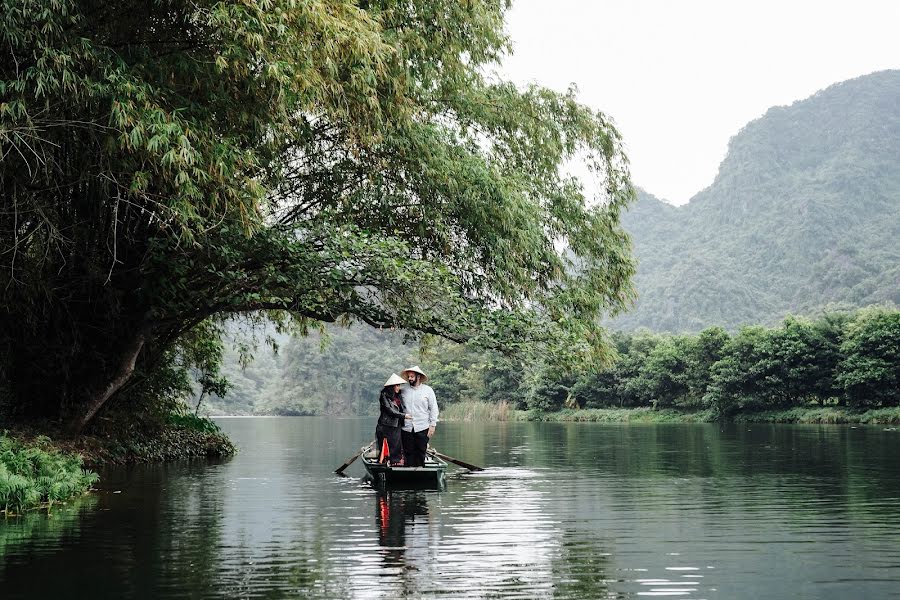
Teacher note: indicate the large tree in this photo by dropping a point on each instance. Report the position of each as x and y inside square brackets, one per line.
[167, 163]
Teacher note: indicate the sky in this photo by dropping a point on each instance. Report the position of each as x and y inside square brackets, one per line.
[681, 77]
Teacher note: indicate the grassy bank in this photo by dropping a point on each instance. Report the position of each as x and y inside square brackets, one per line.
[38, 475]
[121, 442]
[170, 443]
[617, 415]
[835, 415]
[180, 437]
[37, 472]
[484, 411]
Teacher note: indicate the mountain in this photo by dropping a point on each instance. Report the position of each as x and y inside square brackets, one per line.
[804, 213]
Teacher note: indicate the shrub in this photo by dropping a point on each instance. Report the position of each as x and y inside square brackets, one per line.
[39, 475]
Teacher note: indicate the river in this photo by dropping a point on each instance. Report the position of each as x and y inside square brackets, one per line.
[563, 510]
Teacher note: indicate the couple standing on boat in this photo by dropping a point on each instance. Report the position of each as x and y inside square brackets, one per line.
[408, 417]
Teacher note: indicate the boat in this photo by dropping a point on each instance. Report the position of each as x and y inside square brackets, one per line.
[432, 475]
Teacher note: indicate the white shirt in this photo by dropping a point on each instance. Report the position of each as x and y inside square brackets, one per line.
[422, 405]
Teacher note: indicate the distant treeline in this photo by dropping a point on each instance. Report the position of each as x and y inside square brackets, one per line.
[841, 359]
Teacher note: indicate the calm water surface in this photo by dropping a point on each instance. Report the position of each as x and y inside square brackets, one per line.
[563, 510]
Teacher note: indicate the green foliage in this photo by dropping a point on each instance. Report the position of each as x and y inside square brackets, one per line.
[38, 474]
[502, 379]
[739, 379]
[803, 216]
[870, 370]
[622, 384]
[548, 391]
[194, 423]
[176, 442]
[807, 415]
[168, 165]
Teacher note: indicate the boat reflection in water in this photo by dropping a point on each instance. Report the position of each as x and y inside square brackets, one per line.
[403, 562]
[396, 512]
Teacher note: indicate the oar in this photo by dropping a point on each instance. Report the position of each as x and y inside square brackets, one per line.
[350, 460]
[456, 461]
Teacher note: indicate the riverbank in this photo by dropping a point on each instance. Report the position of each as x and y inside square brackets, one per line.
[171, 443]
[484, 411]
[37, 471]
[182, 437]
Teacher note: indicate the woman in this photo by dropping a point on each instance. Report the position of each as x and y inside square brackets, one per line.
[391, 419]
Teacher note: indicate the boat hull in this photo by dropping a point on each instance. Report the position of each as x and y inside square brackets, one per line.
[432, 475]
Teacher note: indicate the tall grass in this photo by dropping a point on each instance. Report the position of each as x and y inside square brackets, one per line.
[475, 410]
[618, 415]
[822, 415]
[486, 411]
[38, 475]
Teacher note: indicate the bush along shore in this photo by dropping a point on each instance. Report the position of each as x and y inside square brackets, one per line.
[37, 472]
[482, 411]
[178, 437]
[37, 475]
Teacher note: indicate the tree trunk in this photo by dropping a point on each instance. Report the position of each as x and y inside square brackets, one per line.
[98, 399]
[199, 401]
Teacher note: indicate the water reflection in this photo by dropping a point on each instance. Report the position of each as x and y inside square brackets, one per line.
[563, 511]
[38, 532]
[491, 540]
[502, 531]
[406, 536]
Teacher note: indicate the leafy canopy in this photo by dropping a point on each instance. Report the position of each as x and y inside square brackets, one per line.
[166, 163]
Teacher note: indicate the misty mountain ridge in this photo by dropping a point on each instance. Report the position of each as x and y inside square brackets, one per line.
[803, 214]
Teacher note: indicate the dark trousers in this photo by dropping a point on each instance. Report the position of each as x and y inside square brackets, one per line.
[392, 435]
[415, 444]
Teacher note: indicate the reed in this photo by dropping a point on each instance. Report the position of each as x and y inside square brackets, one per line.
[475, 410]
[823, 415]
[37, 475]
[617, 415]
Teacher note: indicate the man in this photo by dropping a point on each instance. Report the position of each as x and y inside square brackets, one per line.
[420, 402]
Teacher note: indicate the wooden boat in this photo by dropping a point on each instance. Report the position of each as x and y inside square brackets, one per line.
[431, 475]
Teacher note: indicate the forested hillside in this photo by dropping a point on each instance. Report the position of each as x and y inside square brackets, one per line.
[804, 213]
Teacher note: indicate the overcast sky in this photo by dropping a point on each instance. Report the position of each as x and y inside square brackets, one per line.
[681, 77]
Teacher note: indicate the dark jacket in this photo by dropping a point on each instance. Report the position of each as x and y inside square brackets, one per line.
[390, 416]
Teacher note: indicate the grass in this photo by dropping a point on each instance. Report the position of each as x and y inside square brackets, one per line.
[485, 411]
[192, 422]
[37, 475]
[478, 411]
[617, 415]
[824, 415]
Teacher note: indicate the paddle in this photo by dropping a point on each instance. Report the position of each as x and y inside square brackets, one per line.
[350, 460]
[455, 461]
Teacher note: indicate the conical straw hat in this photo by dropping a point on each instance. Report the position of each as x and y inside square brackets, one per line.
[394, 379]
[414, 369]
